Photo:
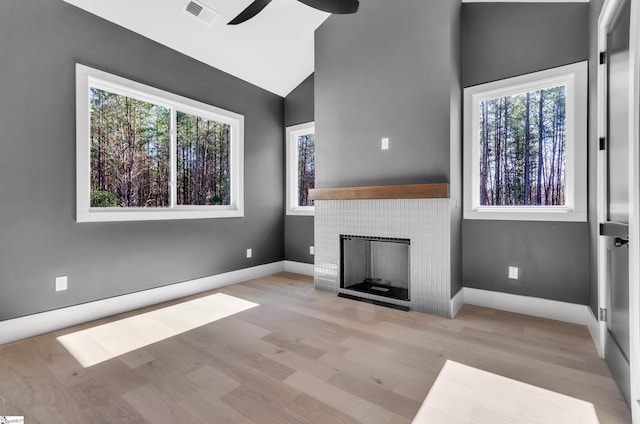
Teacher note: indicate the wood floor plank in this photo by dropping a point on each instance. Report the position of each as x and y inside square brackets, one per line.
[294, 344]
[248, 352]
[137, 358]
[377, 394]
[213, 383]
[101, 405]
[314, 411]
[301, 363]
[212, 410]
[414, 390]
[365, 369]
[258, 408]
[301, 356]
[149, 402]
[28, 385]
[242, 330]
[234, 368]
[362, 410]
[403, 365]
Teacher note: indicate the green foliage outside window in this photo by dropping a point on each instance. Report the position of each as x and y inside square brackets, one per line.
[103, 199]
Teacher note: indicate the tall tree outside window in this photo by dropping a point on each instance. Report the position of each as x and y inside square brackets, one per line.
[129, 152]
[202, 161]
[525, 147]
[130, 155]
[143, 153]
[301, 168]
[306, 168]
[522, 153]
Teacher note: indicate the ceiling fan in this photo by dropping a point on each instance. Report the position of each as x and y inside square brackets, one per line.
[341, 7]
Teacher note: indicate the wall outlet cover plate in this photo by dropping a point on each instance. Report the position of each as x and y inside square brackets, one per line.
[385, 143]
[61, 283]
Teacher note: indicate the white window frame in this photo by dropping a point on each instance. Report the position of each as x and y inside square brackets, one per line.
[87, 78]
[293, 132]
[574, 77]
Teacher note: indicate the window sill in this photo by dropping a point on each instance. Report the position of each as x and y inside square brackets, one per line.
[530, 213]
[111, 215]
[302, 211]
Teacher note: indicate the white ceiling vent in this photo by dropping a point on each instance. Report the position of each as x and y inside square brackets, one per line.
[200, 11]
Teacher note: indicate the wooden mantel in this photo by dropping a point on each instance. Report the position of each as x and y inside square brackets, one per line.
[405, 191]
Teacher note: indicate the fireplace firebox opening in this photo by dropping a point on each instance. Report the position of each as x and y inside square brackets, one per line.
[375, 265]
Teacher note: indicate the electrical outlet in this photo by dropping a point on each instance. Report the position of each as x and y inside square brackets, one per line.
[312, 250]
[385, 143]
[249, 253]
[513, 272]
[61, 283]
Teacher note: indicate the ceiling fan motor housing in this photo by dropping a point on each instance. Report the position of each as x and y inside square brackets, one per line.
[331, 6]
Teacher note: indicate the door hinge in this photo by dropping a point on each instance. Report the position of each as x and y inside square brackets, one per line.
[603, 314]
[603, 143]
[603, 58]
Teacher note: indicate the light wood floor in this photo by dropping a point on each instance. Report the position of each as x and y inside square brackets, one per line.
[300, 357]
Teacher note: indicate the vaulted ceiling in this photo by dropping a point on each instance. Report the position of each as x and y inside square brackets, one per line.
[274, 50]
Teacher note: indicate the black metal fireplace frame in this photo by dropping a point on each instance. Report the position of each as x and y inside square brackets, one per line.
[406, 241]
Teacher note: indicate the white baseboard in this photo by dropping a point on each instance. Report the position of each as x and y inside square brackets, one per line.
[33, 325]
[595, 329]
[457, 302]
[537, 307]
[299, 268]
[534, 306]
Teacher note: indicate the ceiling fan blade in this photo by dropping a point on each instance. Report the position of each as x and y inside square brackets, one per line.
[252, 10]
[341, 7]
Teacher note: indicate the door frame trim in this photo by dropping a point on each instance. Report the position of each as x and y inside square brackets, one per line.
[607, 15]
[634, 217]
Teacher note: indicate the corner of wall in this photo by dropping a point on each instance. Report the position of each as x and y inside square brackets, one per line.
[455, 150]
[457, 302]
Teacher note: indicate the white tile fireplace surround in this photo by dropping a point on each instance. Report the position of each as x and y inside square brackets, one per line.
[425, 221]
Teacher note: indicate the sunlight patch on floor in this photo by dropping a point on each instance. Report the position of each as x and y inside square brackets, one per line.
[463, 394]
[98, 344]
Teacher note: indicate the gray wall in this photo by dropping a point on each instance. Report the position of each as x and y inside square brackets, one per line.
[552, 257]
[385, 72]
[390, 71]
[298, 105]
[40, 41]
[501, 40]
[298, 230]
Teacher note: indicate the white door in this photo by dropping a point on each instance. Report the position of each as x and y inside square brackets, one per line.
[619, 192]
[616, 225]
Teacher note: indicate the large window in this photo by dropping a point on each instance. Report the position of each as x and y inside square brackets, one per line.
[143, 153]
[301, 168]
[525, 147]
